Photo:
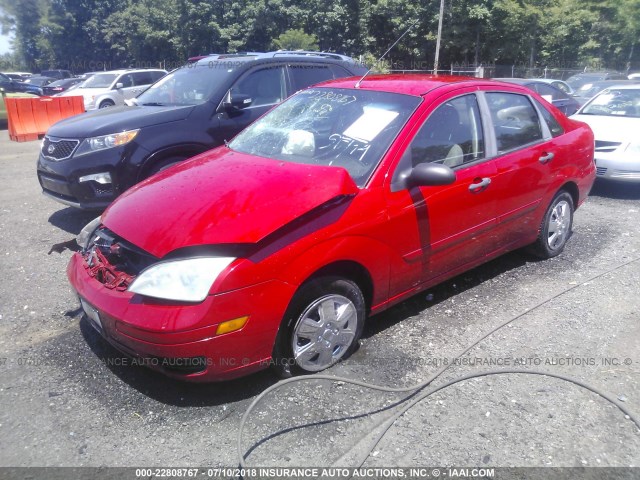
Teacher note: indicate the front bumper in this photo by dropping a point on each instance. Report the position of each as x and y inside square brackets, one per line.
[163, 335]
[60, 179]
[619, 169]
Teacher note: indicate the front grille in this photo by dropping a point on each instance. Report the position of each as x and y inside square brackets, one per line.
[602, 146]
[601, 170]
[58, 149]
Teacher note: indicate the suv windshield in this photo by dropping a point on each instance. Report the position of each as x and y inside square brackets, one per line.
[190, 85]
[331, 127]
[100, 80]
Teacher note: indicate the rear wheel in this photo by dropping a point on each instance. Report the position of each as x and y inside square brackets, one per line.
[555, 228]
[321, 327]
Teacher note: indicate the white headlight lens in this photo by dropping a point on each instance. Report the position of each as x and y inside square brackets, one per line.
[106, 141]
[184, 280]
[87, 232]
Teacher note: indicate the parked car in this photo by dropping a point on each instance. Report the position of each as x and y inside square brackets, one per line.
[589, 90]
[35, 84]
[107, 89]
[9, 85]
[19, 76]
[580, 79]
[614, 117]
[561, 100]
[57, 74]
[88, 161]
[60, 86]
[346, 199]
[559, 84]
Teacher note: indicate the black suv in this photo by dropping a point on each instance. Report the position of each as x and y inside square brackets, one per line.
[86, 161]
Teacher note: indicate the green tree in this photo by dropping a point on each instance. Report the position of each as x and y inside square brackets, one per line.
[296, 40]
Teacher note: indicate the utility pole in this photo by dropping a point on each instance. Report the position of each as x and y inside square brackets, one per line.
[435, 63]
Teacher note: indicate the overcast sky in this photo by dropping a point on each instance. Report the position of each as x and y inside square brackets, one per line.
[4, 44]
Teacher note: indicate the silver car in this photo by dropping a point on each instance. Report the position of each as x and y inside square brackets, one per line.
[106, 89]
[614, 117]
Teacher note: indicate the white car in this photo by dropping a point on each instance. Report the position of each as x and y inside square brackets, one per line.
[106, 89]
[614, 117]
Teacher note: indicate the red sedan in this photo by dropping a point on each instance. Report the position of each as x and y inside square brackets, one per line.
[344, 200]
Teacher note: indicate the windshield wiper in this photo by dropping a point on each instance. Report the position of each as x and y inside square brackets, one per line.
[153, 104]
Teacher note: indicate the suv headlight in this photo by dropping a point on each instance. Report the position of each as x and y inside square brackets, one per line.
[104, 142]
[187, 280]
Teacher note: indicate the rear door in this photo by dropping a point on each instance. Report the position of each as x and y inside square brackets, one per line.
[525, 156]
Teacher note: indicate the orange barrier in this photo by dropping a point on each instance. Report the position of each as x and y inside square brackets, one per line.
[30, 118]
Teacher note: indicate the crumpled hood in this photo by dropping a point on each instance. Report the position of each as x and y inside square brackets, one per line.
[221, 197]
[110, 120]
[611, 128]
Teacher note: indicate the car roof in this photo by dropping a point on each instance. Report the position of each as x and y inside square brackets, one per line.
[281, 54]
[411, 84]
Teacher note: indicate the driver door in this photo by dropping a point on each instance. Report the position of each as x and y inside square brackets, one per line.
[265, 86]
[439, 229]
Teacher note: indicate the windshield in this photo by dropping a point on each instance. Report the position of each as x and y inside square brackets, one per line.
[190, 85]
[616, 103]
[330, 127]
[100, 80]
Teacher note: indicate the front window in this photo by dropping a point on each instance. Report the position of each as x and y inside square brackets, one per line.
[330, 127]
[616, 103]
[190, 85]
[100, 80]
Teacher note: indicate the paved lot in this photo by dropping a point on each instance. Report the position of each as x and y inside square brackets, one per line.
[66, 399]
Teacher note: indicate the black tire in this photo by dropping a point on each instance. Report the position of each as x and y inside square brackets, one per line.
[555, 228]
[106, 104]
[292, 353]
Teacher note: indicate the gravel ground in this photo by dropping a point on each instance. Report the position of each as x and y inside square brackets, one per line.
[65, 401]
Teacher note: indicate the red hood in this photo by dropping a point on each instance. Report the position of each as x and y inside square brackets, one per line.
[221, 197]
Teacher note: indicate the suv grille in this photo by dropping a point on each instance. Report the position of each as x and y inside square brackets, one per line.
[58, 149]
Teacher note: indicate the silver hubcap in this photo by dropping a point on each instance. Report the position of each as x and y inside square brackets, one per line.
[324, 332]
[559, 222]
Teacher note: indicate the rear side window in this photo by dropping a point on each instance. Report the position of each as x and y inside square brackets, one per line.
[303, 76]
[515, 121]
[550, 92]
[555, 128]
[142, 78]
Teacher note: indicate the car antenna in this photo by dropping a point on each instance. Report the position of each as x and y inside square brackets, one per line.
[385, 53]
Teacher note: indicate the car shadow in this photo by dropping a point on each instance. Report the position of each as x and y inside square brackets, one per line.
[71, 219]
[444, 291]
[168, 390]
[616, 190]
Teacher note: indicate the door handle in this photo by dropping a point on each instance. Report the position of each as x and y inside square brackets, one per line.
[546, 158]
[476, 187]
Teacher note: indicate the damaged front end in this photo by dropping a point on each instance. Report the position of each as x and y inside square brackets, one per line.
[109, 259]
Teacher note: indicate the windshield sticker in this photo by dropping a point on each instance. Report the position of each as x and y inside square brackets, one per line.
[370, 123]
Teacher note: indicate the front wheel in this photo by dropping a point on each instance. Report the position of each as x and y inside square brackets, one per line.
[555, 228]
[106, 104]
[321, 326]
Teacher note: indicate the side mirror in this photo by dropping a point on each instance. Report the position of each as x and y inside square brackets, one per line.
[119, 85]
[429, 175]
[236, 101]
